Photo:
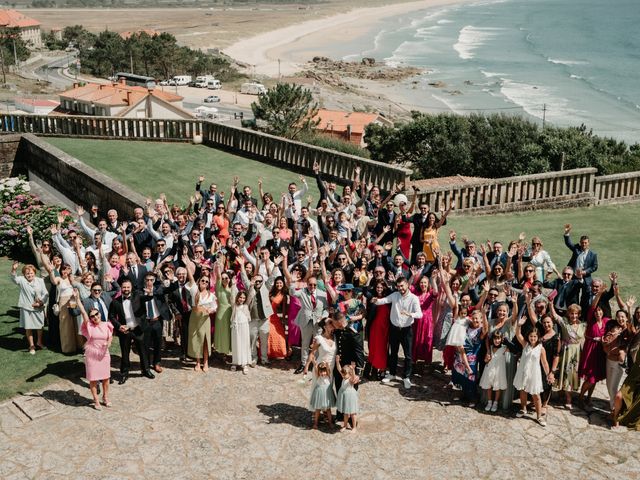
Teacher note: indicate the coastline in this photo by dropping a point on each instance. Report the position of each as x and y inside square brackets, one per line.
[283, 51]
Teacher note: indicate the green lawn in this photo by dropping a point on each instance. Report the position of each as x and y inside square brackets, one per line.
[19, 371]
[613, 231]
[173, 168]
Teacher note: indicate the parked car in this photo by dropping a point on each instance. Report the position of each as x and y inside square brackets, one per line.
[253, 88]
[212, 99]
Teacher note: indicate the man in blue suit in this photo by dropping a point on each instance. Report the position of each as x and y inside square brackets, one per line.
[583, 258]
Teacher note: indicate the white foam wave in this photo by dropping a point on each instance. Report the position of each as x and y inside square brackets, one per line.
[568, 63]
[532, 98]
[575, 77]
[470, 38]
[444, 21]
[492, 74]
[448, 103]
[426, 32]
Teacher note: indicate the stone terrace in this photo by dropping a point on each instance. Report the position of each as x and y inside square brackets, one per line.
[226, 425]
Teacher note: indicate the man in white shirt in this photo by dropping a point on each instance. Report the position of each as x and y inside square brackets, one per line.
[405, 308]
[294, 199]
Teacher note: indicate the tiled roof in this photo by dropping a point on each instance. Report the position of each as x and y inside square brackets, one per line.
[115, 94]
[37, 102]
[13, 18]
[337, 120]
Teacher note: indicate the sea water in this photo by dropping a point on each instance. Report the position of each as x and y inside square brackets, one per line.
[567, 62]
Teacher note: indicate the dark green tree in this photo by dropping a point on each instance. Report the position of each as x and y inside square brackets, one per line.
[286, 110]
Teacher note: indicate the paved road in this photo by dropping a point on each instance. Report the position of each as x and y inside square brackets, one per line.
[226, 425]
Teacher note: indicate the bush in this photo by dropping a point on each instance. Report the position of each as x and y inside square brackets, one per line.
[19, 209]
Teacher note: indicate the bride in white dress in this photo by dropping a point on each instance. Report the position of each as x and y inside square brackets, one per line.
[324, 349]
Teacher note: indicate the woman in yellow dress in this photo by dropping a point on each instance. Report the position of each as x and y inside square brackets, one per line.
[430, 234]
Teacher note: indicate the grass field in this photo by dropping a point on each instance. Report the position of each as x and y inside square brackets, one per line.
[19, 371]
[173, 168]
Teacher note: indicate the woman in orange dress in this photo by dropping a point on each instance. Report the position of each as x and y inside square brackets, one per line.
[221, 222]
[277, 342]
[430, 234]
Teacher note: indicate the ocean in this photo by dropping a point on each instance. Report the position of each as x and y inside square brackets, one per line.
[569, 62]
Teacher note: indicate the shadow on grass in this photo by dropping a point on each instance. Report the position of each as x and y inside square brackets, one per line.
[13, 341]
[68, 369]
[284, 413]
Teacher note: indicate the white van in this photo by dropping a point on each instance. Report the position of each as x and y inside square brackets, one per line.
[214, 84]
[253, 88]
[182, 79]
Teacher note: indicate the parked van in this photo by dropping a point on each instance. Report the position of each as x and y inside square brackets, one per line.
[182, 79]
[214, 84]
[253, 88]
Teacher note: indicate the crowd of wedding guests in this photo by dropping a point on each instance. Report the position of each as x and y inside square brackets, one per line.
[340, 284]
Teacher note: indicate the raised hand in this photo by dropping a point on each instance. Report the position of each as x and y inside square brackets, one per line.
[201, 179]
[79, 210]
[452, 235]
[29, 230]
[316, 167]
[567, 228]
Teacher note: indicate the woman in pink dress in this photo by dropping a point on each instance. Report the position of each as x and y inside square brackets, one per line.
[423, 327]
[99, 334]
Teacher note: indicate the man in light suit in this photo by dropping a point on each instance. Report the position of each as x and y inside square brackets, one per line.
[313, 304]
[100, 299]
[260, 309]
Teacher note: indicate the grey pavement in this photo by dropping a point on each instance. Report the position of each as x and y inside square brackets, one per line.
[223, 424]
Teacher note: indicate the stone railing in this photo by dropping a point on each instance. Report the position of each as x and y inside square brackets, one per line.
[618, 188]
[280, 152]
[300, 157]
[544, 190]
[101, 127]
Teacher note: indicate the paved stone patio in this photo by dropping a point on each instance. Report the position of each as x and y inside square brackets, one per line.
[225, 425]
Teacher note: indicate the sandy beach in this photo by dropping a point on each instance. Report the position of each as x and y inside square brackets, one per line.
[284, 50]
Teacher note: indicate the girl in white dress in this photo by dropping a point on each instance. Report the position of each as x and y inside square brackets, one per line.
[528, 376]
[240, 339]
[494, 377]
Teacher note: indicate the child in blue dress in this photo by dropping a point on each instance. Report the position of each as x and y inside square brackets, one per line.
[322, 396]
[348, 397]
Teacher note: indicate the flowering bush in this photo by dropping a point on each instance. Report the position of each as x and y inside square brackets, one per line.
[18, 209]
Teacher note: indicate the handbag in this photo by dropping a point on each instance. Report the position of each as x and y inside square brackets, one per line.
[55, 308]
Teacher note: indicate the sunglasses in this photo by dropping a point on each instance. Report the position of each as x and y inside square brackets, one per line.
[529, 270]
[96, 290]
[94, 315]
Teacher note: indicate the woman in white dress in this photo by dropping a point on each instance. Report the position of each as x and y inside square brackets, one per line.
[528, 376]
[199, 337]
[541, 260]
[240, 339]
[31, 302]
[323, 349]
[70, 340]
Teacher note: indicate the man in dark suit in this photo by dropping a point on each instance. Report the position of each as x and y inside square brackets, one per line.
[156, 311]
[582, 258]
[100, 299]
[386, 217]
[589, 293]
[127, 315]
[211, 194]
[497, 255]
[380, 259]
[567, 289]
[275, 244]
[133, 271]
[180, 301]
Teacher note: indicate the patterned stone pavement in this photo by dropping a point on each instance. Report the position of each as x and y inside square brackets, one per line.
[225, 425]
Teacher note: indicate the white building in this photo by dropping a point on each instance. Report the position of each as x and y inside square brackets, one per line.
[29, 28]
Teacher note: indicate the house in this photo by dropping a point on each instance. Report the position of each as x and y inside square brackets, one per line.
[348, 126]
[28, 27]
[120, 100]
[35, 106]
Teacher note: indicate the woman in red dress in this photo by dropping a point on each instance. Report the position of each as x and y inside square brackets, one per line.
[422, 348]
[402, 227]
[378, 330]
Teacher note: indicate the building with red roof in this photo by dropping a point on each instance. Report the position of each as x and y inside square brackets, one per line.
[29, 28]
[348, 126]
[120, 100]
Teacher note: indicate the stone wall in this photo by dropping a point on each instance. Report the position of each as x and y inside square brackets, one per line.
[75, 180]
[8, 148]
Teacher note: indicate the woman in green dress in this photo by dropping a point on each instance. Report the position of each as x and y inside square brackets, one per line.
[222, 331]
[572, 331]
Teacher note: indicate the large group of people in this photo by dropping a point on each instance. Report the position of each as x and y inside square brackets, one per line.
[340, 284]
